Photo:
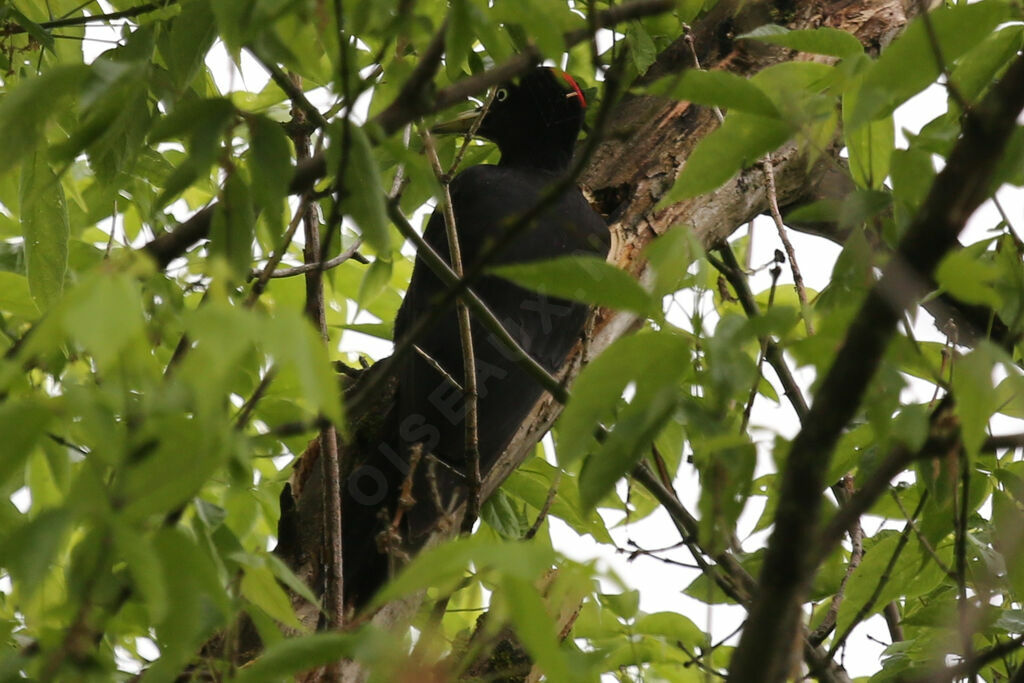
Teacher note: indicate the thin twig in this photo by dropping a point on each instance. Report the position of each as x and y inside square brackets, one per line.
[291, 88]
[730, 268]
[264, 275]
[399, 181]
[472, 437]
[933, 41]
[688, 39]
[334, 604]
[773, 205]
[865, 609]
[339, 190]
[1006, 219]
[775, 272]
[13, 29]
[330, 263]
[971, 667]
[545, 508]
[432, 362]
[856, 554]
[920, 536]
[960, 545]
[443, 271]
[892, 621]
[113, 230]
[245, 412]
[467, 139]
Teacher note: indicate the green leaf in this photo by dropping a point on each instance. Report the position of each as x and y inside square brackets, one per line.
[291, 340]
[983, 65]
[459, 36]
[671, 255]
[532, 482]
[199, 602]
[269, 164]
[642, 49]
[911, 576]
[105, 315]
[582, 278]
[235, 22]
[912, 174]
[970, 277]
[543, 23]
[44, 221]
[374, 282]
[636, 427]
[689, 9]
[445, 564]
[203, 122]
[651, 360]
[823, 40]
[1007, 522]
[975, 395]
[726, 463]
[23, 423]
[501, 515]
[204, 119]
[28, 107]
[41, 35]
[189, 40]
[675, 628]
[29, 550]
[740, 141]
[870, 146]
[909, 64]
[625, 605]
[186, 456]
[284, 659]
[15, 297]
[233, 226]
[260, 587]
[717, 88]
[536, 629]
[363, 192]
[143, 564]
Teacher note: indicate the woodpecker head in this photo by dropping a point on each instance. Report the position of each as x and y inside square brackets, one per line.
[534, 121]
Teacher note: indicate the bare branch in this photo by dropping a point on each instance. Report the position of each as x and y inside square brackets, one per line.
[773, 205]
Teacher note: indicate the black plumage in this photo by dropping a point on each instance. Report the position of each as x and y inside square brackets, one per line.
[534, 123]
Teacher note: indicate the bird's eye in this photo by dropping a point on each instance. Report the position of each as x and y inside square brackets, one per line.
[501, 95]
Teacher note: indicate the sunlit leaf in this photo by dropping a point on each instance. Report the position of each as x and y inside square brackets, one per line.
[44, 219]
[583, 278]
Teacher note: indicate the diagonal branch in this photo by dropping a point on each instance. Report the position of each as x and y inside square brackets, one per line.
[957, 191]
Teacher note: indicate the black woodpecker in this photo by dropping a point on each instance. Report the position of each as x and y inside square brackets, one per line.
[535, 123]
